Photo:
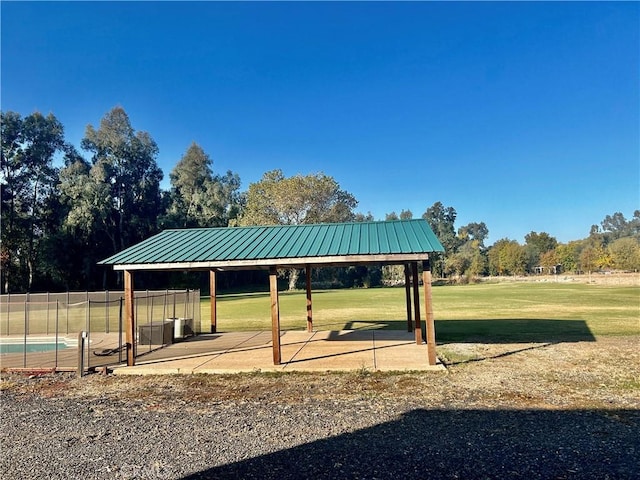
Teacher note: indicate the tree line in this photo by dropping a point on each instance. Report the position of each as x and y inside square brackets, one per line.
[612, 245]
[64, 209]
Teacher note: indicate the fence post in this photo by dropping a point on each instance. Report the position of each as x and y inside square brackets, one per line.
[164, 307]
[56, 362]
[197, 312]
[196, 324]
[106, 305]
[87, 310]
[27, 300]
[67, 312]
[149, 321]
[151, 317]
[24, 356]
[47, 313]
[88, 329]
[174, 304]
[81, 338]
[8, 310]
[120, 332]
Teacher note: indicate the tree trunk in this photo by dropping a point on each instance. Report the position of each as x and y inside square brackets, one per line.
[30, 266]
[32, 234]
[294, 274]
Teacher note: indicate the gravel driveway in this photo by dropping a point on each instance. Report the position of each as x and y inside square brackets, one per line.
[565, 411]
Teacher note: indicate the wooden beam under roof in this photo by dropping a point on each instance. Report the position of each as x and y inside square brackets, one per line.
[387, 259]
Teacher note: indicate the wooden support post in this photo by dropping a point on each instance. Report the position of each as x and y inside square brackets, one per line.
[428, 306]
[129, 314]
[407, 292]
[214, 310]
[275, 316]
[309, 305]
[416, 303]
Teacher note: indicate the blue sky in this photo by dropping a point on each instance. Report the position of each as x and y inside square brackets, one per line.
[523, 115]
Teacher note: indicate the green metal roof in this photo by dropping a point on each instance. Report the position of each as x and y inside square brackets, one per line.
[280, 245]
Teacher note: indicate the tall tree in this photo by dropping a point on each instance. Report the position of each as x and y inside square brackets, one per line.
[550, 260]
[361, 217]
[406, 214]
[474, 231]
[568, 255]
[625, 253]
[120, 194]
[536, 245]
[470, 260]
[442, 220]
[542, 242]
[28, 179]
[88, 232]
[507, 257]
[594, 257]
[297, 200]
[113, 200]
[617, 226]
[198, 197]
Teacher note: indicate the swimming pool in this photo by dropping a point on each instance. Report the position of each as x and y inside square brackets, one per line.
[34, 345]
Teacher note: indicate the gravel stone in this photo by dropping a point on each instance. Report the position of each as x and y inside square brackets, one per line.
[533, 414]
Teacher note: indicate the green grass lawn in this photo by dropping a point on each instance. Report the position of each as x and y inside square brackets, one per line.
[505, 312]
[516, 312]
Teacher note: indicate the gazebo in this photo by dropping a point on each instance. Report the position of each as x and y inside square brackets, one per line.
[400, 242]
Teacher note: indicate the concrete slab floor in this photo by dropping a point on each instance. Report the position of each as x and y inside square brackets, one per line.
[235, 352]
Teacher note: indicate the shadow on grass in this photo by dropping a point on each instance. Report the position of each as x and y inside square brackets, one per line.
[502, 330]
[469, 444]
[513, 330]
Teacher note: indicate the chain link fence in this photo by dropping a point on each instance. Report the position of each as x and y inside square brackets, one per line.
[41, 331]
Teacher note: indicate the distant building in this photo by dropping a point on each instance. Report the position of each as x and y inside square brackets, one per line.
[553, 270]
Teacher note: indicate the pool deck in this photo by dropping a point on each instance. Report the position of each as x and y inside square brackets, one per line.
[235, 352]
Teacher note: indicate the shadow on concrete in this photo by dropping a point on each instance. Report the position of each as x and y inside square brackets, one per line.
[355, 325]
[454, 444]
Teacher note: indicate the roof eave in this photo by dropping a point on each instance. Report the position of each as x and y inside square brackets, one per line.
[278, 262]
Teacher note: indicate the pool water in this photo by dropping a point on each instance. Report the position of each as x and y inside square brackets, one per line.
[31, 347]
